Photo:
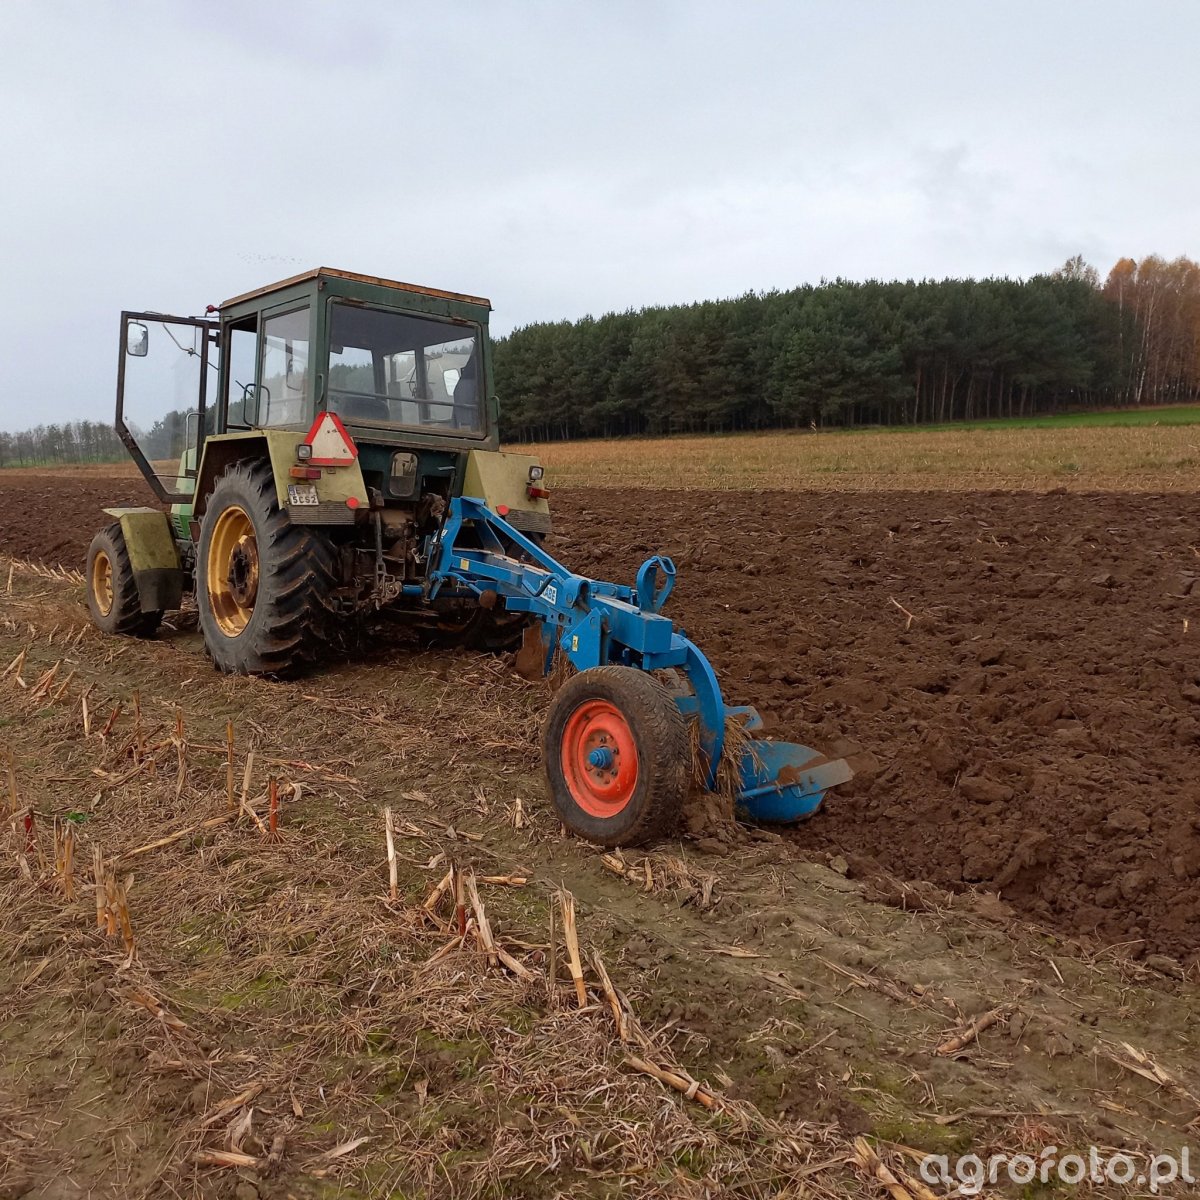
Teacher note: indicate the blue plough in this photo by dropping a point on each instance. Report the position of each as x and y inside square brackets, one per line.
[596, 623]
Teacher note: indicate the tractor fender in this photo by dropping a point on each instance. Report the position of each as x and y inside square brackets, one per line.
[501, 480]
[154, 556]
[341, 492]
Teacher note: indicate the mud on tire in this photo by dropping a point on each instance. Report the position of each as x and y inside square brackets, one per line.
[639, 796]
[277, 622]
[112, 588]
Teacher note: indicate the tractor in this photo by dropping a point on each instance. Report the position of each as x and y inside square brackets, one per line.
[327, 447]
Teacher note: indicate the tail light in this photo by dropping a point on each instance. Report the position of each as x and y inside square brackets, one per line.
[534, 492]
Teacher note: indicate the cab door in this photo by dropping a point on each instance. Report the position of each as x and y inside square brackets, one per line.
[166, 365]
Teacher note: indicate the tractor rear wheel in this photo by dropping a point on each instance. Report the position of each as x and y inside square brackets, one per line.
[263, 585]
[617, 756]
[112, 588]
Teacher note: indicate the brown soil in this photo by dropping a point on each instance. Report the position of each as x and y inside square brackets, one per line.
[42, 520]
[1033, 731]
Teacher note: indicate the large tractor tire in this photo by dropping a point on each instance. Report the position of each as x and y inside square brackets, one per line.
[502, 632]
[617, 757]
[112, 588]
[263, 585]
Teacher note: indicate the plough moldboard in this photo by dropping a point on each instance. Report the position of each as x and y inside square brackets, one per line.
[617, 744]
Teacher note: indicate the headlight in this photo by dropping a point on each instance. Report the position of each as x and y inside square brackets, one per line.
[535, 473]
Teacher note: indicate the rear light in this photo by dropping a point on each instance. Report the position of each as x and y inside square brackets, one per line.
[537, 493]
[536, 473]
[305, 472]
[304, 452]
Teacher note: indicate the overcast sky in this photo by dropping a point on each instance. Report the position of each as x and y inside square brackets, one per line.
[565, 158]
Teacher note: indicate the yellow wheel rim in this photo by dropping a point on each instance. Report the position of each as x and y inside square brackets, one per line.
[102, 582]
[231, 571]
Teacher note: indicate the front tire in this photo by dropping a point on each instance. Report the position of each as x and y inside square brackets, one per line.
[112, 587]
[263, 585]
[617, 757]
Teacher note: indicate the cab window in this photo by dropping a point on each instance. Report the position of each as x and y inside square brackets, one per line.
[242, 355]
[283, 369]
[397, 369]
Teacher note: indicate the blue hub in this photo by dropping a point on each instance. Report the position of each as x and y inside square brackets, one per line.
[601, 758]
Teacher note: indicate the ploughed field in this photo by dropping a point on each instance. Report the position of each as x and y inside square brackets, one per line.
[1017, 674]
[1021, 673]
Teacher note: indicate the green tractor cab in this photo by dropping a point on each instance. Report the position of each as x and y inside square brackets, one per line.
[305, 440]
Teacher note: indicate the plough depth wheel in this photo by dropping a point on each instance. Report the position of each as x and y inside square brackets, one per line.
[617, 756]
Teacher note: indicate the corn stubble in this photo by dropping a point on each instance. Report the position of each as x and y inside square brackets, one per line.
[325, 997]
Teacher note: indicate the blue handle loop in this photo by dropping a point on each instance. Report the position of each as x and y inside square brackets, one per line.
[651, 596]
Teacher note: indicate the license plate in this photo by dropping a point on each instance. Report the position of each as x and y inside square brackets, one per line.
[302, 493]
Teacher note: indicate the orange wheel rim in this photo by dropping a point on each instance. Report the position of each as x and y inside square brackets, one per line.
[599, 758]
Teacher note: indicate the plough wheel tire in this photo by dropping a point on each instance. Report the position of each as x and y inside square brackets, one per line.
[617, 757]
[112, 588]
[263, 585]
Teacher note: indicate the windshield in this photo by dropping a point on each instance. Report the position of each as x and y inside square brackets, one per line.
[389, 368]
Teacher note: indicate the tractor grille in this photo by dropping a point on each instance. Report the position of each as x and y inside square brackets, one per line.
[529, 522]
[328, 512]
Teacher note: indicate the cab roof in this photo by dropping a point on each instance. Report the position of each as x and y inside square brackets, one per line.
[331, 273]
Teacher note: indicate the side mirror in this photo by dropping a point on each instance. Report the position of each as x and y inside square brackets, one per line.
[137, 339]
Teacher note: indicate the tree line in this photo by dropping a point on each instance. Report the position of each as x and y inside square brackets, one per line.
[832, 354]
[71, 442]
[846, 354]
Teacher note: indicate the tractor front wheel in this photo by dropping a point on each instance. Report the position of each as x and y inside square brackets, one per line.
[263, 585]
[617, 757]
[112, 588]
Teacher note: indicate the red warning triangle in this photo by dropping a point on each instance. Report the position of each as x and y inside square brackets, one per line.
[331, 445]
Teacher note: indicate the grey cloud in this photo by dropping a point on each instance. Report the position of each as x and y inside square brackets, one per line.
[564, 158]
